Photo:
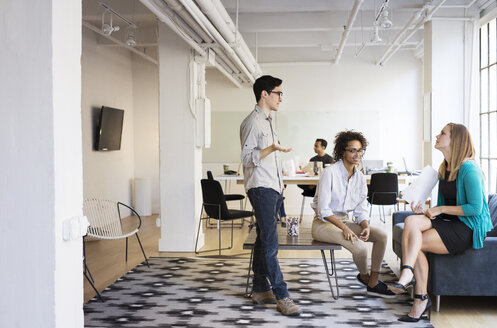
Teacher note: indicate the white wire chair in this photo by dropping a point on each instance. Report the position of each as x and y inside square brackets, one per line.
[106, 222]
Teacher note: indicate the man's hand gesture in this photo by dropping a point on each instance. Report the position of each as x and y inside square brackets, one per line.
[277, 146]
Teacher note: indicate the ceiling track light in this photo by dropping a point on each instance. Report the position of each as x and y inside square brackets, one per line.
[131, 41]
[107, 29]
[376, 36]
[382, 18]
[385, 22]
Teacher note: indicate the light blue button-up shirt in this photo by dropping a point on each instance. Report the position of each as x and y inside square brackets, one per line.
[338, 195]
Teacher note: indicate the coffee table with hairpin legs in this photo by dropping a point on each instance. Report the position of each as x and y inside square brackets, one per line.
[303, 241]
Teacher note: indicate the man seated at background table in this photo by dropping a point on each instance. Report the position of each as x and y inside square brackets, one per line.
[319, 148]
[342, 189]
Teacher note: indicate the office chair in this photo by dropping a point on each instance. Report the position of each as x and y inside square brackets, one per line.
[306, 192]
[214, 205]
[383, 190]
[229, 197]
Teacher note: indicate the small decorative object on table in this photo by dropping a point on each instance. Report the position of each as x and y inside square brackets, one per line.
[292, 226]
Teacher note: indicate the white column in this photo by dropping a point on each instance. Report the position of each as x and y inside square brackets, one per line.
[180, 159]
[444, 66]
[68, 161]
[40, 138]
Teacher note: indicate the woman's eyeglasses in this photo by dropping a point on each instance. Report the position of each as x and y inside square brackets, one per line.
[355, 151]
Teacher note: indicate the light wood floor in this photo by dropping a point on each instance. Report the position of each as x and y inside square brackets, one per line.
[106, 262]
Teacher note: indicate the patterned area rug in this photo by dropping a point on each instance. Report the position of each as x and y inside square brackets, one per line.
[207, 292]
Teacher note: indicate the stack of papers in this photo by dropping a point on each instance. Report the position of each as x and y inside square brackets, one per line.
[421, 188]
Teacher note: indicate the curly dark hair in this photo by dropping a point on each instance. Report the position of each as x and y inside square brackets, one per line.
[342, 140]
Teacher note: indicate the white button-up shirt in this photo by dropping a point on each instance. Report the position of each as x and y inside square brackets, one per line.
[256, 133]
[338, 195]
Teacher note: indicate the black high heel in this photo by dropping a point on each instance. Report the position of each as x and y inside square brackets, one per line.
[397, 288]
[407, 318]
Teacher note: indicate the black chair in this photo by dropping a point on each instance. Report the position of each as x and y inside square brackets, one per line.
[230, 197]
[306, 192]
[214, 204]
[383, 190]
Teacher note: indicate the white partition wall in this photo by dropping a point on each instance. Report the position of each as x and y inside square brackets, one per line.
[180, 159]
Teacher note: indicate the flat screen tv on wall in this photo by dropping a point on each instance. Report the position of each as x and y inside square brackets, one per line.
[110, 128]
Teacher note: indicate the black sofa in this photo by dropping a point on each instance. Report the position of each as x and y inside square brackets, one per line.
[472, 273]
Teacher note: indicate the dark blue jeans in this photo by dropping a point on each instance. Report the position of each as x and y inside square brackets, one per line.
[266, 203]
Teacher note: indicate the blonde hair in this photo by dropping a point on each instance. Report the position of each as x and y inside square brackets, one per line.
[461, 150]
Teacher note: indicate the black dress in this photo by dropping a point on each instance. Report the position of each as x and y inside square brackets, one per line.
[455, 234]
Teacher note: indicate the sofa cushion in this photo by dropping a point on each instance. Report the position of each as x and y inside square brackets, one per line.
[397, 232]
[492, 208]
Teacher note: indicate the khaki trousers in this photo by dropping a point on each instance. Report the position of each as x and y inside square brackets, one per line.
[329, 233]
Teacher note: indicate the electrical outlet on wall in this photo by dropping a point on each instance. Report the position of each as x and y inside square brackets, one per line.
[74, 227]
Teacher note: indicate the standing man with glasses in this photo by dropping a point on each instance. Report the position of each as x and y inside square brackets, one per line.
[264, 186]
[343, 189]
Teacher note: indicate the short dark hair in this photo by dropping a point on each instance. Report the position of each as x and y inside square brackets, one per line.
[323, 142]
[342, 140]
[265, 82]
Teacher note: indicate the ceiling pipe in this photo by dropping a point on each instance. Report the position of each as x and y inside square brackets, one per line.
[159, 11]
[244, 53]
[197, 14]
[460, 6]
[411, 21]
[345, 34]
[166, 15]
[174, 7]
[119, 42]
[229, 75]
[442, 18]
[183, 25]
[487, 4]
[180, 10]
[215, 17]
[387, 55]
[219, 53]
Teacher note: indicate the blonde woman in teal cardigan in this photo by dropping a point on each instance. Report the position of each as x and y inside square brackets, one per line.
[459, 221]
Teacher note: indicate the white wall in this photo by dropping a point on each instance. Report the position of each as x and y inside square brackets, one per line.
[41, 174]
[107, 79]
[383, 102]
[352, 91]
[146, 125]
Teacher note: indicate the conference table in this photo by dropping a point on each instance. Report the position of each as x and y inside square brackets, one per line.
[301, 179]
[306, 179]
[297, 179]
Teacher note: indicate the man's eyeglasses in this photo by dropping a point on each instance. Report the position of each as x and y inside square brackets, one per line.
[355, 151]
[279, 93]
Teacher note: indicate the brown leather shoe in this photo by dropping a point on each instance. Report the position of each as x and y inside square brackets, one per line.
[287, 307]
[263, 297]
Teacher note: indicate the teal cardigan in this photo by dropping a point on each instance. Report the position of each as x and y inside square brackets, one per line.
[471, 197]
